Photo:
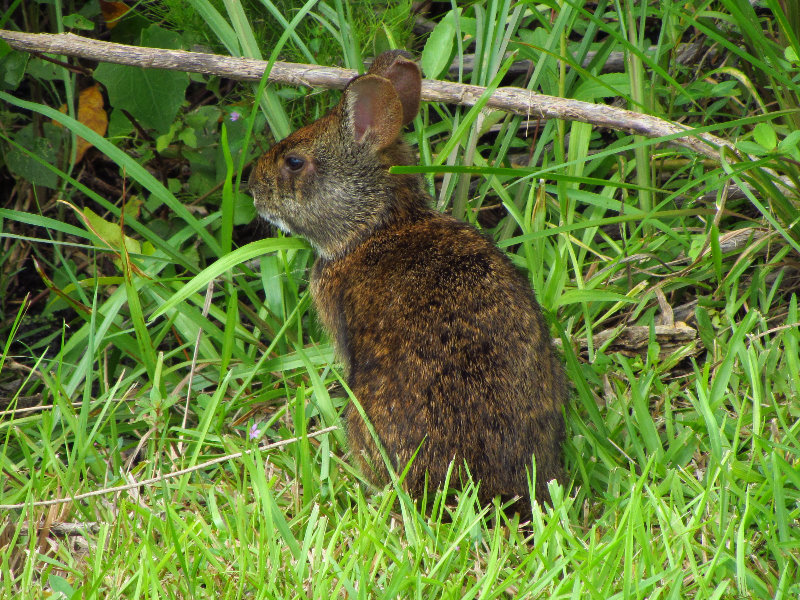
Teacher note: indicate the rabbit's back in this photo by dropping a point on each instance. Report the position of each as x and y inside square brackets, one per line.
[445, 347]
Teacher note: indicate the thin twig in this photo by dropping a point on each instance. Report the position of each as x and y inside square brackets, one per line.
[753, 337]
[15, 412]
[165, 476]
[73, 68]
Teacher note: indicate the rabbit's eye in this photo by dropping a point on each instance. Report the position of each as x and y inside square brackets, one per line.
[294, 163]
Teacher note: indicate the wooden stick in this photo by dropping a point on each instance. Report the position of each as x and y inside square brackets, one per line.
[510, 99]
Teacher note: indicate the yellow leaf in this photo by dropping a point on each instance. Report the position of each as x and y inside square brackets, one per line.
[113, 12]
[92, 114]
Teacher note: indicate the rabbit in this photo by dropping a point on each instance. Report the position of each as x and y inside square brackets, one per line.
[442, 340]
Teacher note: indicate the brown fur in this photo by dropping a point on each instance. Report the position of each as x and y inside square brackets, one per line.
[444, 343]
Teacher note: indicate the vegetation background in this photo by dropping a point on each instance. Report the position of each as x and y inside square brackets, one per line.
[670, 279]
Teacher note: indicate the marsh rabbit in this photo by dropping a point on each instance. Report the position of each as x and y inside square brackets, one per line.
[443, 342]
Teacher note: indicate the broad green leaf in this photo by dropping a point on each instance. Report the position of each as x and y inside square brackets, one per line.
[152, 96]
[42, 69]
[603, 86]
[46, 147]
[791, 145]
[764, 134]
[77, 21]
[439, 47]
[119, 125]
[790, 141]
[60, 586]
[111, 233]
[12, 69]
[244, 210]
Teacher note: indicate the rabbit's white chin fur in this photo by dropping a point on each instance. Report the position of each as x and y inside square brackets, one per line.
[277, 221]
[280, 224]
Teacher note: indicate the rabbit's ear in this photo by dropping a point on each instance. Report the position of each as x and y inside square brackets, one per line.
[405, 76]
[374, 111]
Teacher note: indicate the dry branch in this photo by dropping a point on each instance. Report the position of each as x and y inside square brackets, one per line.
[510, 99]
[165, 476]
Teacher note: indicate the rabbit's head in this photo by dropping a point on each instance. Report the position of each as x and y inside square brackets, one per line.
[329, 181]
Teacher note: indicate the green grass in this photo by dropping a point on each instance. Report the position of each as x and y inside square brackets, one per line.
[171, 361]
